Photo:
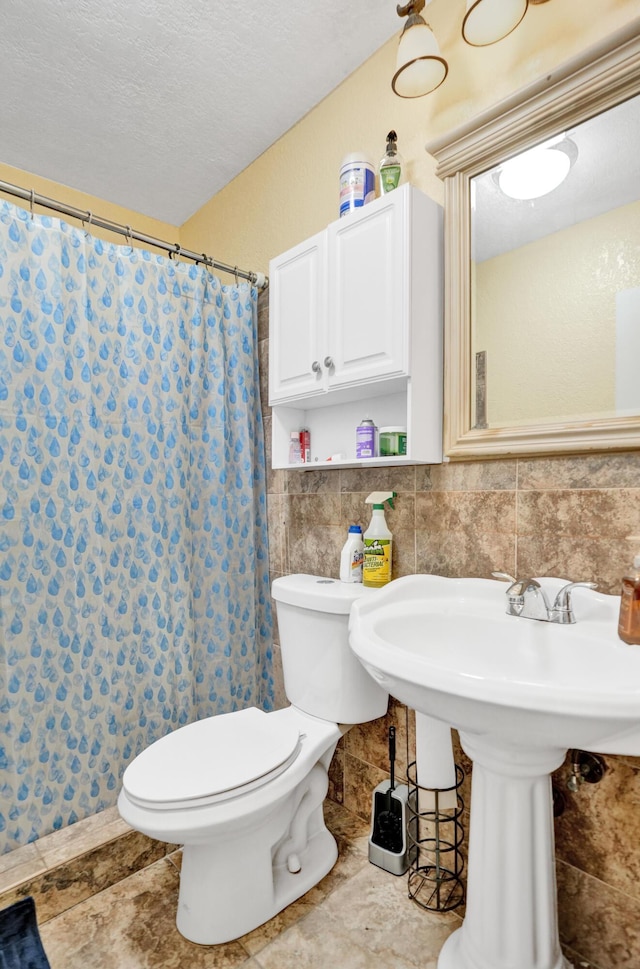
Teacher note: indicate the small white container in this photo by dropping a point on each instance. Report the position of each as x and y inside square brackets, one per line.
[352, 555]
[357, 182]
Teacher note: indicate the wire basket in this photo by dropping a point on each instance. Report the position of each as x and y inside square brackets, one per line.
[434, 836]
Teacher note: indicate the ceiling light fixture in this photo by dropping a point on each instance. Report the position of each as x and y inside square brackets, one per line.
[539, 170]
[420, 67]
[488, 21]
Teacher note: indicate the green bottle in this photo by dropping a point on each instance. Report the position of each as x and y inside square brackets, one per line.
[390, 166]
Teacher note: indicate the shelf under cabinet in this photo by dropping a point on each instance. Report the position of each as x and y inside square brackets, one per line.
[393, 461]
[333, 430]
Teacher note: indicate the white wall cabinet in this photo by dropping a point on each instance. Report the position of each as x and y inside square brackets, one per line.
[355, 330]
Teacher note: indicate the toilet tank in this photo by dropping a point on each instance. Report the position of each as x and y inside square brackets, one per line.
[322, 676]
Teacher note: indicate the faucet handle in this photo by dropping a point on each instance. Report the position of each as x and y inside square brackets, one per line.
[518, 587]
[515, 592]
[504, 576]
[562, 607]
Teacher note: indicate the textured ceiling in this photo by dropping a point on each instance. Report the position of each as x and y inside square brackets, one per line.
[158, 104]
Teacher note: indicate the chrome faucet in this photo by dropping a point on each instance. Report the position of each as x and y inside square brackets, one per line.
[526, 598]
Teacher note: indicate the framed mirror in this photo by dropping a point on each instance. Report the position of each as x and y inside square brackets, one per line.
[542, 279]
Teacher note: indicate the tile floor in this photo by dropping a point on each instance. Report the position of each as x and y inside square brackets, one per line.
[357, 917]
[106, 898]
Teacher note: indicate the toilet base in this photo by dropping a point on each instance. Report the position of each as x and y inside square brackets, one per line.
[223, 897]
[248, 857]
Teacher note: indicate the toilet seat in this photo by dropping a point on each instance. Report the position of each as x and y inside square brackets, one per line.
[212, 760]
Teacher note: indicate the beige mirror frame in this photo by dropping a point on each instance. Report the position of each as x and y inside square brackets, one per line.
[599, 79]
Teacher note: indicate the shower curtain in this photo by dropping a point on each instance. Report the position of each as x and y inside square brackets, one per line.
[134, 591]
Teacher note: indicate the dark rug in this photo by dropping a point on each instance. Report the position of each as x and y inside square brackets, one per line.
[20, 945]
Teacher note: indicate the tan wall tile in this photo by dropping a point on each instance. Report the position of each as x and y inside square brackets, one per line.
[316, 549]
[277, 529]
[597, 921]
[613, 513]
[312, 482]
[457, 554]
[336, 775]
[603, 561]
[403, 560]
[353, 510]
[321, 509]
[468, 476]
[599, 831]
[580, 471]
[360, 779]
[481, 512]
[370, 741]
[402, 479]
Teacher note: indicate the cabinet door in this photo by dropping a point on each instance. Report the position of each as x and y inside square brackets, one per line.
[297, 317]
[368, 323]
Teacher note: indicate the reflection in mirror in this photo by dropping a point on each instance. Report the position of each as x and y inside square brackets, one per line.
[542, 284]
[555, 286]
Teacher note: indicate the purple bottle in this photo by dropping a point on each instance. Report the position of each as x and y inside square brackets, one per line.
[366, 439]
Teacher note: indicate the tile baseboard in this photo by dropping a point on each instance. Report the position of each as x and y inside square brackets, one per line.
[68, 866]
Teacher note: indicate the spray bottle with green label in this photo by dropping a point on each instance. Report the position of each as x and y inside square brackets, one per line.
[376, 570]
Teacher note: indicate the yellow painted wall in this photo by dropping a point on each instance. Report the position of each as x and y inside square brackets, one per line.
[80, 200]
[291, 191]
[545, 314]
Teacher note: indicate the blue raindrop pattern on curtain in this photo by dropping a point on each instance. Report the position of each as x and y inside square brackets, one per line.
[134, 593]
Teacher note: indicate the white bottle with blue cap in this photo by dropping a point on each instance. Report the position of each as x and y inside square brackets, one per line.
[352, 555]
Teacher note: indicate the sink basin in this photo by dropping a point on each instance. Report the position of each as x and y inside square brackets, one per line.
[520, 692]
[446, 647]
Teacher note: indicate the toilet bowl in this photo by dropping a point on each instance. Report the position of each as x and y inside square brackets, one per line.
[243, 792]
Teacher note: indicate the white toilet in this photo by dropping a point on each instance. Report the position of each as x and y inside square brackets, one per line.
[243, 791]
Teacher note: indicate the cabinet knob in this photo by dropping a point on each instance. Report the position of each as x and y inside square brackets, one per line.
[328, 362]
[315, 367]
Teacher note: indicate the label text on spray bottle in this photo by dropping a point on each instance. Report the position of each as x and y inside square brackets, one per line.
[377, 561]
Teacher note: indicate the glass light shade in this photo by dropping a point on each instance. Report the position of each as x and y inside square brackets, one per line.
[420, 68]
[534, 173]
[487, 21]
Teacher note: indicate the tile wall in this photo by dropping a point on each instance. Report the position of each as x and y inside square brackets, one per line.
[564, 516]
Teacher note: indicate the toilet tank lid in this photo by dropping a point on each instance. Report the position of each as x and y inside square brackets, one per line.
[319, 593]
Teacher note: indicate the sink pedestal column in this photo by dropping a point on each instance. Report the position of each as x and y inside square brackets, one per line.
[511, 915]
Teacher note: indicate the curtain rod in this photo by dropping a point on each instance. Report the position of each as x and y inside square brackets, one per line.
[85, 215]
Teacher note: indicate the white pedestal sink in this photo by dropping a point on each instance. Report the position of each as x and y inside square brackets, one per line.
[520, 692]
